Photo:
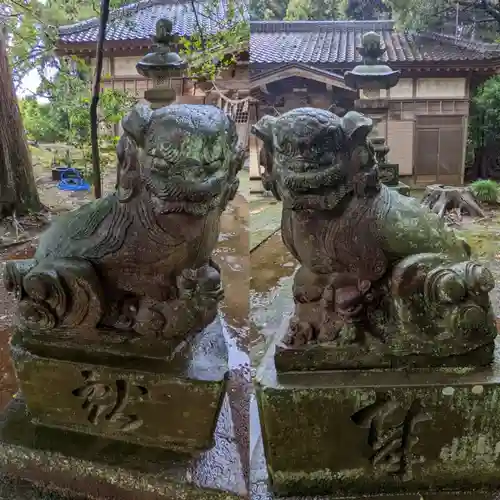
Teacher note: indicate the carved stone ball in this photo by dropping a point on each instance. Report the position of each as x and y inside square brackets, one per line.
[371, 40]
[163, 30]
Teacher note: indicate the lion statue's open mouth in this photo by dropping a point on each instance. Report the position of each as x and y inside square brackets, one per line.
[311, 152]
[186, 155]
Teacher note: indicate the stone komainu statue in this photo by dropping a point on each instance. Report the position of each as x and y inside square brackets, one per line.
[381, 278]
[140, 258]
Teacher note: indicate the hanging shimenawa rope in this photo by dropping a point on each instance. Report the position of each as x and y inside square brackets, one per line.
[233, 107]
[238, 110]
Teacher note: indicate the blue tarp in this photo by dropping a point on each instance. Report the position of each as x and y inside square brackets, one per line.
[71, 180]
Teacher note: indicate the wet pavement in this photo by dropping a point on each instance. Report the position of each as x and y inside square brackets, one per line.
[270, 292]
[232, 256]
[265, 215]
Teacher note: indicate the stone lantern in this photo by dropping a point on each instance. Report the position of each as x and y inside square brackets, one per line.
[162, 65]
[373, 74]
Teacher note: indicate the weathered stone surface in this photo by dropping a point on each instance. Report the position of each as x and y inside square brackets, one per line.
[373, 73]
[109, 469]
[161, 65]
[162, 61]
[381, 277]
[120, 396]
[381, 431]
[389, 174]
[117, 332]
[331, 357]
[402, 188]
[121, 361]
[139, 260]
[203, 356]
[260, 488]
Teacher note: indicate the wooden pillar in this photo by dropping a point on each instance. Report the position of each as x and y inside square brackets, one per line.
[254, 146]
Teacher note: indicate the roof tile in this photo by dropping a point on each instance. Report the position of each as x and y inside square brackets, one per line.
[137, 21]
[282, 42]
[335, 43]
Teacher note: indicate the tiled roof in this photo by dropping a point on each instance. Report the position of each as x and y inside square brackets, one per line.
[334, 43]
[137, 21]
[280, 68]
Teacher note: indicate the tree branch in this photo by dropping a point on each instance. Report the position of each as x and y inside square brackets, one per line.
[494, 13]
[198, 25]
[96, 167]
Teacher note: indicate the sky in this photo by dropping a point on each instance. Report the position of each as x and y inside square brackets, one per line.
[29, 84]
[31, 81]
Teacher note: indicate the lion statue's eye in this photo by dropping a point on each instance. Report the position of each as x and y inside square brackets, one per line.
[216, 151]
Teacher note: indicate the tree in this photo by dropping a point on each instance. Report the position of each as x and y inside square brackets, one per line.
[319, 10]
[422, 14]
[484, 131]
[18, 193]
[262, 10]
[208, 54]
[366, 9]
[314, 9]
[94, 138]
[33, 31]
[113, 105]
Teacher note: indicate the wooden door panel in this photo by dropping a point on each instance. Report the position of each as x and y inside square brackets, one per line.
[426, 152]
[450, 152]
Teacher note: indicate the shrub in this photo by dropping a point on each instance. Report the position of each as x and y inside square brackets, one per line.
[486, 191]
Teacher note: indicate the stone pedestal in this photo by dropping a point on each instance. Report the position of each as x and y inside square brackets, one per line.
[102, 468]
[368, 432]
[260, 489]
[108, 390]
[141, 415]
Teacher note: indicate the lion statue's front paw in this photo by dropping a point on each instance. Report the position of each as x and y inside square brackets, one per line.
[299, 333]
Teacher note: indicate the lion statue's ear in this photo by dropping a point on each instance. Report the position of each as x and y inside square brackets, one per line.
[263, 129]
[136, 123]
[356, 127]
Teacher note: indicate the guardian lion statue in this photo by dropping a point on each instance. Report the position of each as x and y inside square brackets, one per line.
[140, 259]
[382, 282]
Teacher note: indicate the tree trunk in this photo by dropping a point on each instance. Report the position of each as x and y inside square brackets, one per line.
[94, 138]
[442, 199]
[18, 193]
